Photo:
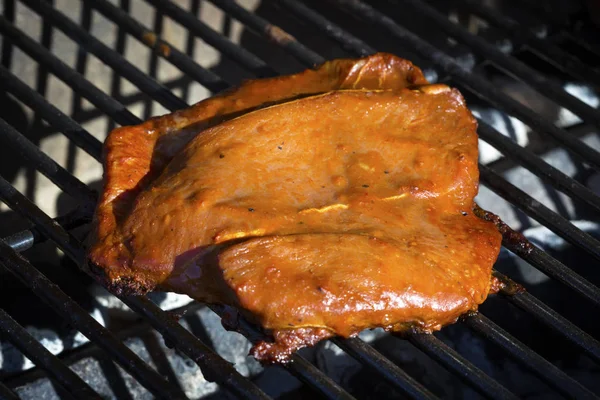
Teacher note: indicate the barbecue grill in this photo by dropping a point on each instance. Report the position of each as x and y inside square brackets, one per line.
[534, 44]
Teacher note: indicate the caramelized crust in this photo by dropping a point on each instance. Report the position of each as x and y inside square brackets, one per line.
[319, 204]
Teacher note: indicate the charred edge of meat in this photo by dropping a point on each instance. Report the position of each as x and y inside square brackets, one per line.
[509, 235]
[468, 314]
[286, 342]
[496, 284]
[407, 329]
[121, 286]
[270, 346]
[504, 285]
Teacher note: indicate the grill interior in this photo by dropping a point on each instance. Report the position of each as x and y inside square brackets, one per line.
[483, 48]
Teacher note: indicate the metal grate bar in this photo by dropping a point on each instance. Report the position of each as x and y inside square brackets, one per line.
[456, 363]
[77, 316]
[272, 32]
[348, 42]
[530, 304]
[543, 11]
[317, 380]
[214, 368]
[528, 358]
[97, 97]
[169, 52]
[511, 149]
[556, 223]
[51, 114]
[223, 373]
[537, 165]
[543, 48]
[509, 64]
[367, 355]
[254, 64]
[41, 357]
[45, 164]
[6, 393]
[552, 267]
[138, 329]
[25, 239]
[584, 44]
[108, 56]
[298, 366]
[475, 83]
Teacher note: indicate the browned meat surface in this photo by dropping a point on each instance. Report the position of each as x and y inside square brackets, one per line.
[318, 204]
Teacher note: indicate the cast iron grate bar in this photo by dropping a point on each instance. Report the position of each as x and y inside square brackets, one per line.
[76, 316]
[169, 52]
[456, 363]
[553, 221]
[212, 366]
[51, 114]
[254, 64]
[348, 42]
[308, 57]
[528, 358]
[317, 380]
[6, 393]
[531, 305]
[107, 55]
[553, 268]
[584, 44]
[46, 165]
[298, 365]
[97, 97]
[543, 48]
[538, 166]
[27, 238]
[138, 329]
[41, 357]
[367, 355]
[473, 82]
[507, 63]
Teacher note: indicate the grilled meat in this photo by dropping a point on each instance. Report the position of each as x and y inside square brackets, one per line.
[317, 204]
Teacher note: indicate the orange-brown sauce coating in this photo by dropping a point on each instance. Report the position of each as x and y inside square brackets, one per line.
[346, 209]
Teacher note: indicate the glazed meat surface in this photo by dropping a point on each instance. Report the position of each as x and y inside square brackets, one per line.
[318, 204]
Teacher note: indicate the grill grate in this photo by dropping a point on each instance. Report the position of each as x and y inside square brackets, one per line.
[213, 366]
